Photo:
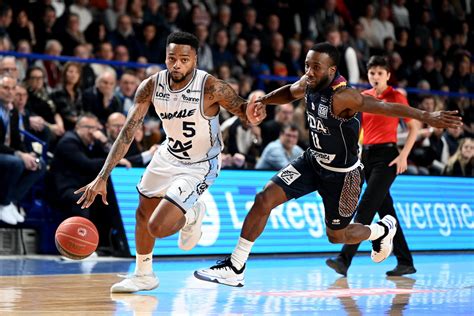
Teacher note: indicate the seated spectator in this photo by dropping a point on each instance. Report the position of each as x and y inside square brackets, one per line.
[271, 129]
[19, 169]
[72, 35]
[136, 157]
[8, 67]
[128, 84]
[52, 68]
[77, 160]
[41, 103]
[452, 136]
[68, 99]
[87, 73]
[33, 124]
[100, 100]
[280, 152]
[462, 162]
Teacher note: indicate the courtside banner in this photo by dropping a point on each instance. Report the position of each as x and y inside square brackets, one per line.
[436, 213]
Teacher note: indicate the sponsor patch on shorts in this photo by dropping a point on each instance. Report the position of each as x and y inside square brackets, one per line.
[289, 174]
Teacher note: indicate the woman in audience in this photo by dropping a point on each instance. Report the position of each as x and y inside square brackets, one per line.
[462, 162]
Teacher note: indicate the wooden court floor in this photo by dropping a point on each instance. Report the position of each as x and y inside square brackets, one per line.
[274, 286]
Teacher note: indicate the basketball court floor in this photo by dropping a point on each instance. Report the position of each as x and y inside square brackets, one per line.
[42, 285]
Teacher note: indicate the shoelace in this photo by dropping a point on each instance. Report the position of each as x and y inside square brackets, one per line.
[222, 264]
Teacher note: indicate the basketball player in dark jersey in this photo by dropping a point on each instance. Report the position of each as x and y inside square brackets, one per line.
[331, 164]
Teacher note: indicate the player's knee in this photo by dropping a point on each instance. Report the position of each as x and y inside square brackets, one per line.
[263, 202]
[156, 230]
[335, 238]
[141, 215]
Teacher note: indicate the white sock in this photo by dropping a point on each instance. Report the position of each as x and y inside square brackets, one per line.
[241, 253]
[144, 264]
[190, 216]
[376, 231]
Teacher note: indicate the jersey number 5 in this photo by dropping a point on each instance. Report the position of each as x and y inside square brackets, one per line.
[188, 129]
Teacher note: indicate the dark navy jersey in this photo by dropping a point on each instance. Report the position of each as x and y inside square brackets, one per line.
[334, 140]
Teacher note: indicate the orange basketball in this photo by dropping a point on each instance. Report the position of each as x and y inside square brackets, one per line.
[77, 238]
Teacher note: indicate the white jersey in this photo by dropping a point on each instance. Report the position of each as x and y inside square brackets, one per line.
[191, 136]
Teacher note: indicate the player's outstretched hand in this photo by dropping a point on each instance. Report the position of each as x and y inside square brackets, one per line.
[444, 119]
[90, 191]
[256, 111]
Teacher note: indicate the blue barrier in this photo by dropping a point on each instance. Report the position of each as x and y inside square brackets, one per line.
[260, 78]
[436, 213]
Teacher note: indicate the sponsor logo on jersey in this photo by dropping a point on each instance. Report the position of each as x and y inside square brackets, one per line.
[324, 158]
[177, 114]
[193, 91]
[187, 99]
[316, 124]
[289, 175]
[323, 110]
[162, 96]
[336, 221]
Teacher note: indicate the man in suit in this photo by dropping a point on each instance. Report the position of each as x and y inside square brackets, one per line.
[78, 157]
[19, 170]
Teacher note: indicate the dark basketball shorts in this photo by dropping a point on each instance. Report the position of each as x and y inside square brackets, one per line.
[340, 191]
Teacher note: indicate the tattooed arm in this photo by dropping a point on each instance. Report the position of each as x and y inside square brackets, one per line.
[121, 145]
[218, 92]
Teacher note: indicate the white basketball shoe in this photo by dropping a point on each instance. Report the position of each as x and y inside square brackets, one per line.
[135, 283]
[223, 273]
[191, 233]
[382, 247]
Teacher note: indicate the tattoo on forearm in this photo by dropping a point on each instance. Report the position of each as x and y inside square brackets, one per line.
[231, 101]
[134, 121]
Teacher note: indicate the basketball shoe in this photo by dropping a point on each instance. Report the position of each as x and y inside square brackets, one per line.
[135, 283]
[382, 247]
[190, 234]
[223, 273]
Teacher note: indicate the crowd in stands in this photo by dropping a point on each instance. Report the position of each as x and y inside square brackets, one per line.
[77, 109]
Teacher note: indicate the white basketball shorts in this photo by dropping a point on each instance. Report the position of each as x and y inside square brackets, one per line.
[179, 183]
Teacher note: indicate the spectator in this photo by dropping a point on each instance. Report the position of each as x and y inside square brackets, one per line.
[152, 45]
[382, 27]
[41, 103]
[128, 84]
[87, 73]
[119, 8]
[19, 170]
[105, 51]
[401, 15]
[348, 66]
[125, 35]
[135, 156]
[8, 67]
[220, 51]
[368, 22]
[462, 162]
[100, 99]
[153, 13]
[23, 28]
[45, 30]
[81, 8]
[280, 152]
[223, 21]
[360, 46]
[271, 128]
[52, 68]
[6, 18]
[34, 124]
[68, 99]
[251, 28]
[78, 158]
[23, 63]
[328, 16]
[205, 58]
[72, 35]
[452, 137]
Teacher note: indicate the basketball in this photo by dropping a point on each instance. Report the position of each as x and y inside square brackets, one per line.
[76, 238]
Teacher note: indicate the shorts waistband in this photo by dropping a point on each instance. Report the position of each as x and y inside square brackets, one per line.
[378, 146]
[342, 170]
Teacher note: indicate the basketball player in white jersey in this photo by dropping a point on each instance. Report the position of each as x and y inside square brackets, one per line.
[185, 165]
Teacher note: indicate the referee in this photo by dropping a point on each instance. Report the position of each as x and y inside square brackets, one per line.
[382, 162]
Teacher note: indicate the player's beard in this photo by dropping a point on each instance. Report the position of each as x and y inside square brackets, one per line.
[184, 77]
[323, 83]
